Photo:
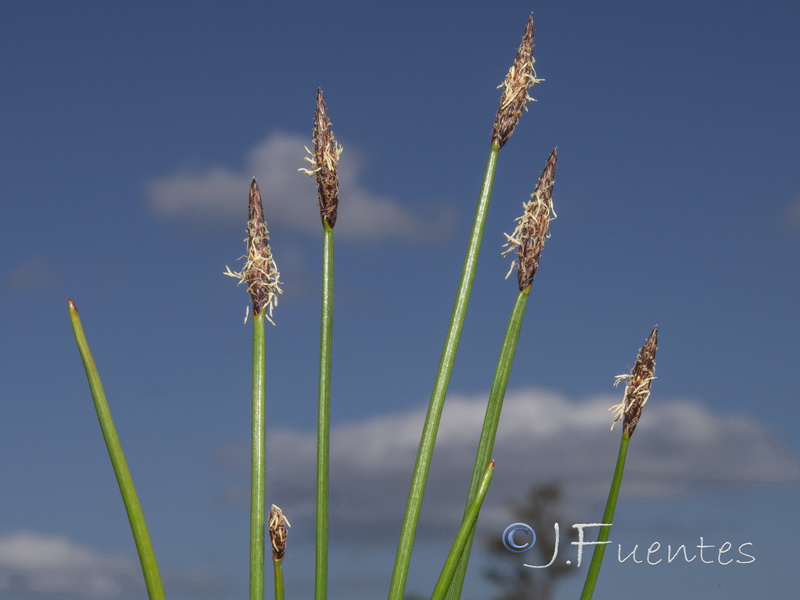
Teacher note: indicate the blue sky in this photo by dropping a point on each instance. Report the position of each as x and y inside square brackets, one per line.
[129, 136]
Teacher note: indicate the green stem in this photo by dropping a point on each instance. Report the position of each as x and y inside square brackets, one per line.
[258, 462]
[491, 421]
[277, 570]
[141, 537]
[323, 415]
[431, 426]
[465, 534]
[608, 517]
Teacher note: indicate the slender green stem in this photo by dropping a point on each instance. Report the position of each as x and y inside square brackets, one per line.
[431, 426]
[258, 461]
[490, 423]
[147, 557]
[324, 414]
[608, 517]
[277, 570]
[465, 533]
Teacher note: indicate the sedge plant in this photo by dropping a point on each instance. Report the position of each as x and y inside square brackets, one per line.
[277, 534]
[141, 536]
[464, 535]
[262, 278]
[513, 99]
[324, 164]
[261, 275]
[637, 391]
[527, 240]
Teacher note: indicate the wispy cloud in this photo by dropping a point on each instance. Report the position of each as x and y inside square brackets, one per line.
[40, 566]
[219, 193]
[543, 437]
[31, 275]
[33, 563]
[792, 217]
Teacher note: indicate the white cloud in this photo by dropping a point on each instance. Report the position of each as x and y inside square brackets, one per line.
[792, 216]
[33, 563]
[290, 197]
[33, 274]
[36, 565]
[543, 437]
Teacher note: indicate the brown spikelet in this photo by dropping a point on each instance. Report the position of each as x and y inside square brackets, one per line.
[532, 227]
[518, 81]
[277, 524]
[325, 163]
[260, 271]
[637, 386]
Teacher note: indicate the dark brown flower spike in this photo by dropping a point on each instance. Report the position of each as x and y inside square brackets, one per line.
[637, 386]
[521, 76]
[277, 524]
[260, 271]
[324, 163]
[532, 227]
